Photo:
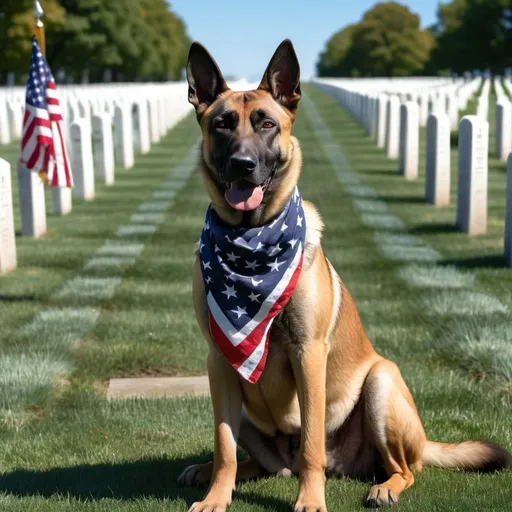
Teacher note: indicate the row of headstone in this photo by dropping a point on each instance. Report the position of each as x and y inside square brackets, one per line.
[100, 133]
[395, 125]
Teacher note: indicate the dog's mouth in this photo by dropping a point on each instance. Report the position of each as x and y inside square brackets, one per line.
[246, 196]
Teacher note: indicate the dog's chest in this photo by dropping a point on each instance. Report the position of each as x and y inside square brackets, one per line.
[272, 403]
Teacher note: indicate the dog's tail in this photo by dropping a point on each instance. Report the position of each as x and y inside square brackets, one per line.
[469, 455]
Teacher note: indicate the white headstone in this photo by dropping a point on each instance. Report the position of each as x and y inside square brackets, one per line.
[62, 201]
[503, 129]
[153, 120]
[103, 148]
[32, 203]
[409, 139]
[15, 119]
[508, 215]
[393, 127]
[124, 137]
[141, 137]
[82, 163]
[437, 186]
[423, 109]
[5, 132]
[161, 117]
[473, 170]
[84, 110]
[452, 108]
[8, 260]
[382, 105]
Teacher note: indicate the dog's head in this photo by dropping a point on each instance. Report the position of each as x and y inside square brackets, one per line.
[247, 145]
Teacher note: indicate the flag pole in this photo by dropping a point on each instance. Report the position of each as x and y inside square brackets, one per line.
[41, 40]
[39, 28]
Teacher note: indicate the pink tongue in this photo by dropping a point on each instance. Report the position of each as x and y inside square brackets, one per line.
[244, 198]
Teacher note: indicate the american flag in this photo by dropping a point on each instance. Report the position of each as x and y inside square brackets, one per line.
[249, 277]
[42, 144]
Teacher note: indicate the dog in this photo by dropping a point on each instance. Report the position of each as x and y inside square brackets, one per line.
[326, 403]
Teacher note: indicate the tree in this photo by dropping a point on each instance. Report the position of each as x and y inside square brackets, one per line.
[16, 28]
[474, 34]
[386, 42]
[389, 42]
[135, 39]
[332, 60]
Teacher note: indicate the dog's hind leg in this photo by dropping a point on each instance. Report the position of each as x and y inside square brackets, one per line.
[265, 458]
[396, 431]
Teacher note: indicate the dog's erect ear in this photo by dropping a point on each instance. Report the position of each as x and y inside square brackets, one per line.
[205, 81]
[282, 77]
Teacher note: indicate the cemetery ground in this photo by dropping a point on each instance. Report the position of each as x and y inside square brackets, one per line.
[435, 301]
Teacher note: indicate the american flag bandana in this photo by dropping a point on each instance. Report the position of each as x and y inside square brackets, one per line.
[249, 277]
[42, 144]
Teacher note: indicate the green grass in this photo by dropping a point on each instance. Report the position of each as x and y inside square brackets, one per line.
[70, 449]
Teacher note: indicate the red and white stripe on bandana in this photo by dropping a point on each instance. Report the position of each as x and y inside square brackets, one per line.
[42, 144]
[249, 277]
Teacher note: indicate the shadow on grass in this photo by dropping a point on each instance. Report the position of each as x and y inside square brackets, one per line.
[403, 199]
[17, 298]
[439, 227]
[150, 478]
[491, 261]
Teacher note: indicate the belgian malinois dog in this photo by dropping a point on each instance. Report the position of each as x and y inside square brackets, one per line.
[326, 402]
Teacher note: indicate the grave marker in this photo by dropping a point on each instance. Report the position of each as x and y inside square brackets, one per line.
[473, 170]
[32, 203]
[393, 127]
[103, 148]
[124, 137]
[82, 163]
[437, 185]
[62, 201]
[5, 132]
[382, 105]
[8, 260]
[503, 129]
[409, 139]
[141, 127]
[153, 120]
[508, 215]
[15, 119]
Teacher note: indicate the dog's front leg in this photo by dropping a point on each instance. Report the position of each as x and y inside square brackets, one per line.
[226, 397]
[309, 364]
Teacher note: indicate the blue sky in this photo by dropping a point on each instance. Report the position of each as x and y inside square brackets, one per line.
[242, 35]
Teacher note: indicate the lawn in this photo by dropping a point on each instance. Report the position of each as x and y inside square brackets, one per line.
[436, 302]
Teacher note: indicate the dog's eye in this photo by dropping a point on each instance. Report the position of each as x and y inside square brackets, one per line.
[268, 124]
[221, 124]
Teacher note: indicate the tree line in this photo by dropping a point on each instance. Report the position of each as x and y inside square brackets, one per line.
[469, 35]
[132, 39]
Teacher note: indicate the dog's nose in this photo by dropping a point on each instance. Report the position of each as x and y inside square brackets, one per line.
[242, 165]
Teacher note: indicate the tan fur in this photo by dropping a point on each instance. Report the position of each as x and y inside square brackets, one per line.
[323, 382]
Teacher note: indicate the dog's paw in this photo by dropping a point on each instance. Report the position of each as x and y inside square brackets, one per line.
[309, 507]
[209, 506]
[197, 474]
[380, 496]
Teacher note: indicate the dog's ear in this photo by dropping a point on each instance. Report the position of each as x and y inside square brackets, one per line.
[282, 77]
[205, 81]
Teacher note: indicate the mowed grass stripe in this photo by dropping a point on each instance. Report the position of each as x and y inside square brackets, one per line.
[487, 298]
[33, 384]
